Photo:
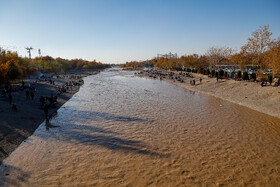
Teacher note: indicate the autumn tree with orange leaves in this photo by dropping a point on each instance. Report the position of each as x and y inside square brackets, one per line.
[272, 57]
[13, 67]
[257, 44]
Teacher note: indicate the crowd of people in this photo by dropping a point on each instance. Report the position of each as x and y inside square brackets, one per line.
[7, 91]
[67, 86]
[180, 77]
[46, 102]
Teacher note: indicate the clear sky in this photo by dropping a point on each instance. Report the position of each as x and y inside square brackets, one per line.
[116, 31]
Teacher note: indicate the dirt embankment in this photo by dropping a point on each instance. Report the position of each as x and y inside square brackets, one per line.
[250, 94]
[15, 127]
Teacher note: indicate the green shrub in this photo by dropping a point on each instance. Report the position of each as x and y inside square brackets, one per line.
[221, 73]
[239, 74]
[269, 79]
[232, 74]
[216, 74]
[253, 76]
[207, 72]
[245, 75]
[213, 73]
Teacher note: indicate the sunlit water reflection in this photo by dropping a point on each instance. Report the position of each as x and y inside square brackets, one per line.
[122, 130]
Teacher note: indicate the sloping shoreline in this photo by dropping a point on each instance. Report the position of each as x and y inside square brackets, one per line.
[15, 127]
[249, 94]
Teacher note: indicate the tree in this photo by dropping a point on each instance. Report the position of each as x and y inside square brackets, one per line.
[159, 62]
[245, 75]
[221, 73]
[239, 74]
[80, 64]
[3, 72]
[272, 57]
[190, 60]
[218, 55]
[269, 79]
[258, 43]
[202, 62]
[13, 71]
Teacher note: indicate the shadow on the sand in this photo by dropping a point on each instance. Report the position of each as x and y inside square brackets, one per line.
[8, 173]
[3, 152]
[96, 136]
[48, 125]
[91, 135]
[83, 116]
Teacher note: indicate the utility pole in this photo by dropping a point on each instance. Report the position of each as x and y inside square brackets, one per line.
[39, 51]
[29, 51]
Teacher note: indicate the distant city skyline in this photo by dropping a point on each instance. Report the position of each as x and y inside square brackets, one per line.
[119, 31]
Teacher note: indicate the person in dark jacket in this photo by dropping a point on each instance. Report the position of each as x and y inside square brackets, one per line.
[27, 93]
[32, 95]
[46, 110]
[10, 97]
[42, 101]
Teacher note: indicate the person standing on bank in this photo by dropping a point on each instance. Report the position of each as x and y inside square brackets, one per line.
[42, 100]
[27, 93]
[10, 97]
[32, 95]
[46, 110]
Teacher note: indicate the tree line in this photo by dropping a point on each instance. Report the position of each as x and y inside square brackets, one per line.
[12, 66]
[260, 51]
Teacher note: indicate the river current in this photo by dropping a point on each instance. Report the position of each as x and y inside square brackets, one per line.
[123, 130]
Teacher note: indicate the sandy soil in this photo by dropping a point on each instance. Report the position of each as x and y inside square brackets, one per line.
[15, 127]
[250, 94]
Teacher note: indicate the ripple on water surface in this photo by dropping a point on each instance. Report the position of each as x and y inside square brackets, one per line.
[123, 130]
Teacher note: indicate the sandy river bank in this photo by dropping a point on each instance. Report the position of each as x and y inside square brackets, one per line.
[249, 94]
[123, 130]
[15, 127]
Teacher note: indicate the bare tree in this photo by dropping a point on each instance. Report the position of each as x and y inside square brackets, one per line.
[258, 43]
[219, 55]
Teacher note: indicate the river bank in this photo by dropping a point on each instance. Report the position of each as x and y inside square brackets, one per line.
[249, 94]
[122, 130]
[16, 126]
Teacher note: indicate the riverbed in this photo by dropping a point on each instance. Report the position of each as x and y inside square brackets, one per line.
[123, 130]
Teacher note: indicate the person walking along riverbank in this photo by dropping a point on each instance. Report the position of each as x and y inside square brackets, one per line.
[10, 97]
[32, 95]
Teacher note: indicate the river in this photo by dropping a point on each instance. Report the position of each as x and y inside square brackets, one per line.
[122, 130]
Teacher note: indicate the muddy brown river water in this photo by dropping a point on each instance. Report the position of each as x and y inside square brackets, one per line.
[122, 130]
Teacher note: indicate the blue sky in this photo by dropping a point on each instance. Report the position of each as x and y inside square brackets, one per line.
[116, 31]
